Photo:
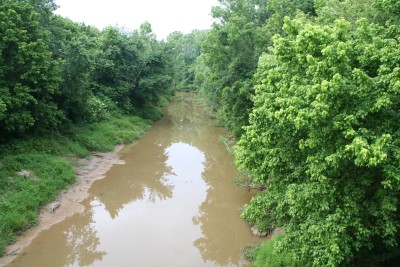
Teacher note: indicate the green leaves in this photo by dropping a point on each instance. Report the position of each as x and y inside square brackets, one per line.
[29, 78]
[183, 50]
[230, 52]
[369, 155]
[2, 109]
[51, 69]
[131, 69]
[323, 136]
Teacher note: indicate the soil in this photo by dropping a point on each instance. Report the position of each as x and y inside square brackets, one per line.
[68, 201]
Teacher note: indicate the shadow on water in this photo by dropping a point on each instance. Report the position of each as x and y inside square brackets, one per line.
[172, 203]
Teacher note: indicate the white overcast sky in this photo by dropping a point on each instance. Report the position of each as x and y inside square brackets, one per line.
[165, 16]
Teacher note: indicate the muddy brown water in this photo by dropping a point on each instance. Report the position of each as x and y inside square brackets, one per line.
[173, 203]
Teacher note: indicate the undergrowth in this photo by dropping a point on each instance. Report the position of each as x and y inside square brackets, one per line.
[266, 255]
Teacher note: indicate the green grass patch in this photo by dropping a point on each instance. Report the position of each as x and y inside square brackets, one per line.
[51, 143]
[27, 182]
[34, 169]
[104, 136]
[266, 255]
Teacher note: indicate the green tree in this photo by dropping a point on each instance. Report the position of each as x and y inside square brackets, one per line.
[231, 52]
[29, 77]
[279, 9]
[131, 69]
[184, 49]
[75, 49]
[391, 7]
[330, 10]
[153, 77]
[324, 139]
[242, 31]
[2, 109]
[115, 68]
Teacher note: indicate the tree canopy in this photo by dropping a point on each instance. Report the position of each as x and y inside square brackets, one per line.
[29, 77]
[54, 71]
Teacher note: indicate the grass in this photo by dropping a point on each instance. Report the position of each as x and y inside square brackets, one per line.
[266, 255]
[104, 136]
[33, 170]
[27, 182]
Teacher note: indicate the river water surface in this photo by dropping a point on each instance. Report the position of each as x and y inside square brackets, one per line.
[172, 203]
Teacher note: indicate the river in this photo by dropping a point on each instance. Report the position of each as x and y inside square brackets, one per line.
[173, 203]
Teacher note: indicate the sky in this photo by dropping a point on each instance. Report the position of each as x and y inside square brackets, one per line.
[165, 16]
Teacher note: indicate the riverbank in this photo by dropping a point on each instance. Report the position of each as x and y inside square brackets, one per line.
[34, 170]
[68, 202]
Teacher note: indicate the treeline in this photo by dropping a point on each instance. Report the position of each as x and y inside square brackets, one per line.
[54, 72]
[311, 92]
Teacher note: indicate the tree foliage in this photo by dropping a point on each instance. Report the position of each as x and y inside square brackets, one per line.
[55, 72]
[153, 76]
[321, 105]
[75, 50]
[324, 138]
[29, 78]
[184, 49]
[243, 29]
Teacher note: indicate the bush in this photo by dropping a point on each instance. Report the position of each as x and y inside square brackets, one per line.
[266, 255]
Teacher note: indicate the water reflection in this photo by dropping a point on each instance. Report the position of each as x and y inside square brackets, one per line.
[145, 174]
[221, 242]
[75, 242]
[83, 243]
[148, 168]
[115, 200]
[186, 161]
[224, 234]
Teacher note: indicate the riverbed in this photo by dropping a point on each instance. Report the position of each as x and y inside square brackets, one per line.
[171, 203]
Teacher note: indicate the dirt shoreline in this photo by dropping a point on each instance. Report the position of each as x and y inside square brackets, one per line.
[68, 201]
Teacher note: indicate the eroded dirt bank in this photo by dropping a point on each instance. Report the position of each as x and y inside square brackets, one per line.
[68, 201]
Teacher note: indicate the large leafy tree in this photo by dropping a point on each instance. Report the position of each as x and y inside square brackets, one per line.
[29, 77]
[75, 48]
[324, 139]
[242, 30]
[184, 49]
[153, 76]
[231, 52]
[330, 10]
[131, 69]
[115, 66]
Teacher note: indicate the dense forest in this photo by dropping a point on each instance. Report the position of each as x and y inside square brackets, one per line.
[309, 90]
